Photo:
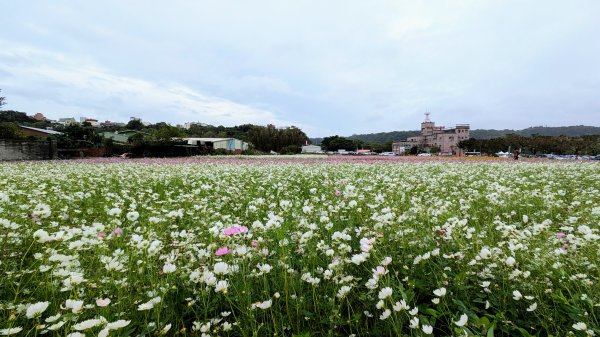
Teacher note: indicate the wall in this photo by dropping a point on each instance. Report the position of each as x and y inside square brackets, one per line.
[27, 149]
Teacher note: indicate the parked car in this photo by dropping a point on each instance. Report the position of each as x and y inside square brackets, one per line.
[387, 154]
[424, 154]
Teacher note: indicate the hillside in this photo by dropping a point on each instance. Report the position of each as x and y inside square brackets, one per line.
[571, 131]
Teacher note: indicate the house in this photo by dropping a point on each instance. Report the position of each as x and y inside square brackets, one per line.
[229, 144]
[311, 149]
[67, 121]
[39, 117]
[92, 121]
[436, 136]
[36, 132]
[121, 137]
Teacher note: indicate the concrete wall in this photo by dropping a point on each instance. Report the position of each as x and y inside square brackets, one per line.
[27, 149]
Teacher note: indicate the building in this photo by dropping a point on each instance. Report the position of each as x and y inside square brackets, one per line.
[39, 117]
[229, 144]
[67, 121]
[436, 137]
[121, 137]
[93, 122]
[42, 133]
[311, 149]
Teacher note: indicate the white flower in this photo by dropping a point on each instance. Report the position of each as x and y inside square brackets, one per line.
[385, 293]
[221, 286]
[165, 329]
[74, 305]
[36, 309]
[76, 334]
[427, 329]
[510, 261]
[440, 292]
[399, 306]
[169, 268]
[385, 314]
[150, 304]
[436, 300]
[485, 253]
[102, 302]
[10, 331]
[114, 211]
[580, 326]
[343, 291]
[132, 216]
[358, 259]
[262, 305]
[117, 324]
[264, 268]
[52, 318]
[414, 311]
[90, 323]
[56, 326]
[463, 320]
[532, 307]
[226, 326]
[414, 323]
[221, 268]
[517, 295]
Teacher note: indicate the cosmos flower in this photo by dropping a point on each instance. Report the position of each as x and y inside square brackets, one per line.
[222, 251]
[36, 309]
[462, 321]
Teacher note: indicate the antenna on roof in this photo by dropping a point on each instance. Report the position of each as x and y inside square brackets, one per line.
[427, 116]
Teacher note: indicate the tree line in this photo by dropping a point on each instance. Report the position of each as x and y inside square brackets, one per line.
[536, 144]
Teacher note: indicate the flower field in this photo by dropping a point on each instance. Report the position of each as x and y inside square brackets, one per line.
[313, 247]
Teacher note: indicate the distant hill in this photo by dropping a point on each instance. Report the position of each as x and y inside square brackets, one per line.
[571, 131]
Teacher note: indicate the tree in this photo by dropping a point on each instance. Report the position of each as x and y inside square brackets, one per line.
[135, 124]
[165, 133]
[10, 130]
[2, 100]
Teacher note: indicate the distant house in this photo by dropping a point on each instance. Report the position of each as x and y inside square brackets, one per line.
[121, 137]
[229, 144]
[67, 121]
[92, 121]
[43, 133]
[39, 117]
[311, 149]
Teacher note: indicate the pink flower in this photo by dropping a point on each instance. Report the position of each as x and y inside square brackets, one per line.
[223, 251]
[338, 193]
[102, 302]
[560, 235]
[117, 232]
[235, 230]
[254, 243]
[101, 235]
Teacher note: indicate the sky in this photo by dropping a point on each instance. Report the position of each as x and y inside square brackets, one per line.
[329, 67]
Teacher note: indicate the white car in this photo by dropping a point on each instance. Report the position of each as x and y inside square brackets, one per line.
[387, 154]
[424, 154]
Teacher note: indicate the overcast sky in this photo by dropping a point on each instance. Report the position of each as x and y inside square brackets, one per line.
[329, 67]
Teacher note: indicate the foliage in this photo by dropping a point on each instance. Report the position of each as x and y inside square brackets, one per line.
[384, 137]
[535, 145]
[269, 138]
[9, 130]
[2, 100]
[78, 136]
[165, 133]
[15, 117]
[334, 143]
[134, 124]
[308, 250]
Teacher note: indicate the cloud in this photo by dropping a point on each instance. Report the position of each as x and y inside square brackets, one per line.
[81, 87]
